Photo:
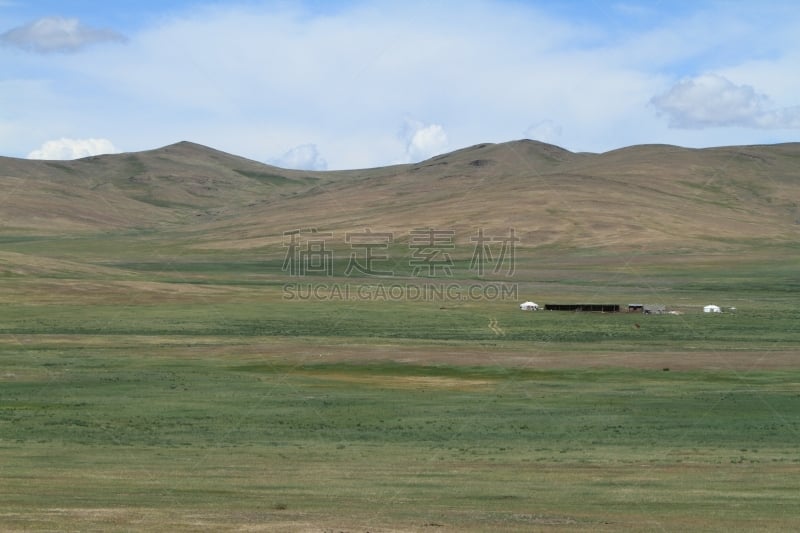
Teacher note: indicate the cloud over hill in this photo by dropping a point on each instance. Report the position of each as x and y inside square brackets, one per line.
[57, 34]
[73, 149]
[711, 100]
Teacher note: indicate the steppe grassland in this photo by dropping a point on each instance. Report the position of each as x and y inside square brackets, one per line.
[176, 396]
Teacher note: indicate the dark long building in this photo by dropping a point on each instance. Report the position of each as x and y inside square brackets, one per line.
[597, 308]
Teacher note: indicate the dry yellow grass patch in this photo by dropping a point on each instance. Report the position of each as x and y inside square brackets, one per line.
[403, 382]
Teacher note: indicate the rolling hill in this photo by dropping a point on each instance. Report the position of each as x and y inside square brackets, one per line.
[654, 197]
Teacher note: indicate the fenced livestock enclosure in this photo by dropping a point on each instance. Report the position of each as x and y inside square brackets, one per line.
[597, 308]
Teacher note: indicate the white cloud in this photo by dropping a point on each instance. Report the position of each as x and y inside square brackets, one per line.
[423, 140]
[57, 34]
[711, 100]
[303, 157]
[73, 149]
[545, 131]
[256, 78]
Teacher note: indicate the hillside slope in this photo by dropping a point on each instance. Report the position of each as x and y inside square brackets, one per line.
[180, 183]
[654, 196]
[659, 197]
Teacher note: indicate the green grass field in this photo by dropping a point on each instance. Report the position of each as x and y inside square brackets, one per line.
[189, 395]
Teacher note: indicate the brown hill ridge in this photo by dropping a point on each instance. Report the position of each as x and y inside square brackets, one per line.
[658, 196]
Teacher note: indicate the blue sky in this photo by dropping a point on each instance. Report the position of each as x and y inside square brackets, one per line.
[353, 84]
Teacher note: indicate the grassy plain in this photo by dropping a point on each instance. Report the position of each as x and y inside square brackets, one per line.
[161, 371]
[204, 394]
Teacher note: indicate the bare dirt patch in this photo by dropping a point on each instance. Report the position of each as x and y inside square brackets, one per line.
[304, 351]
[740, 361]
